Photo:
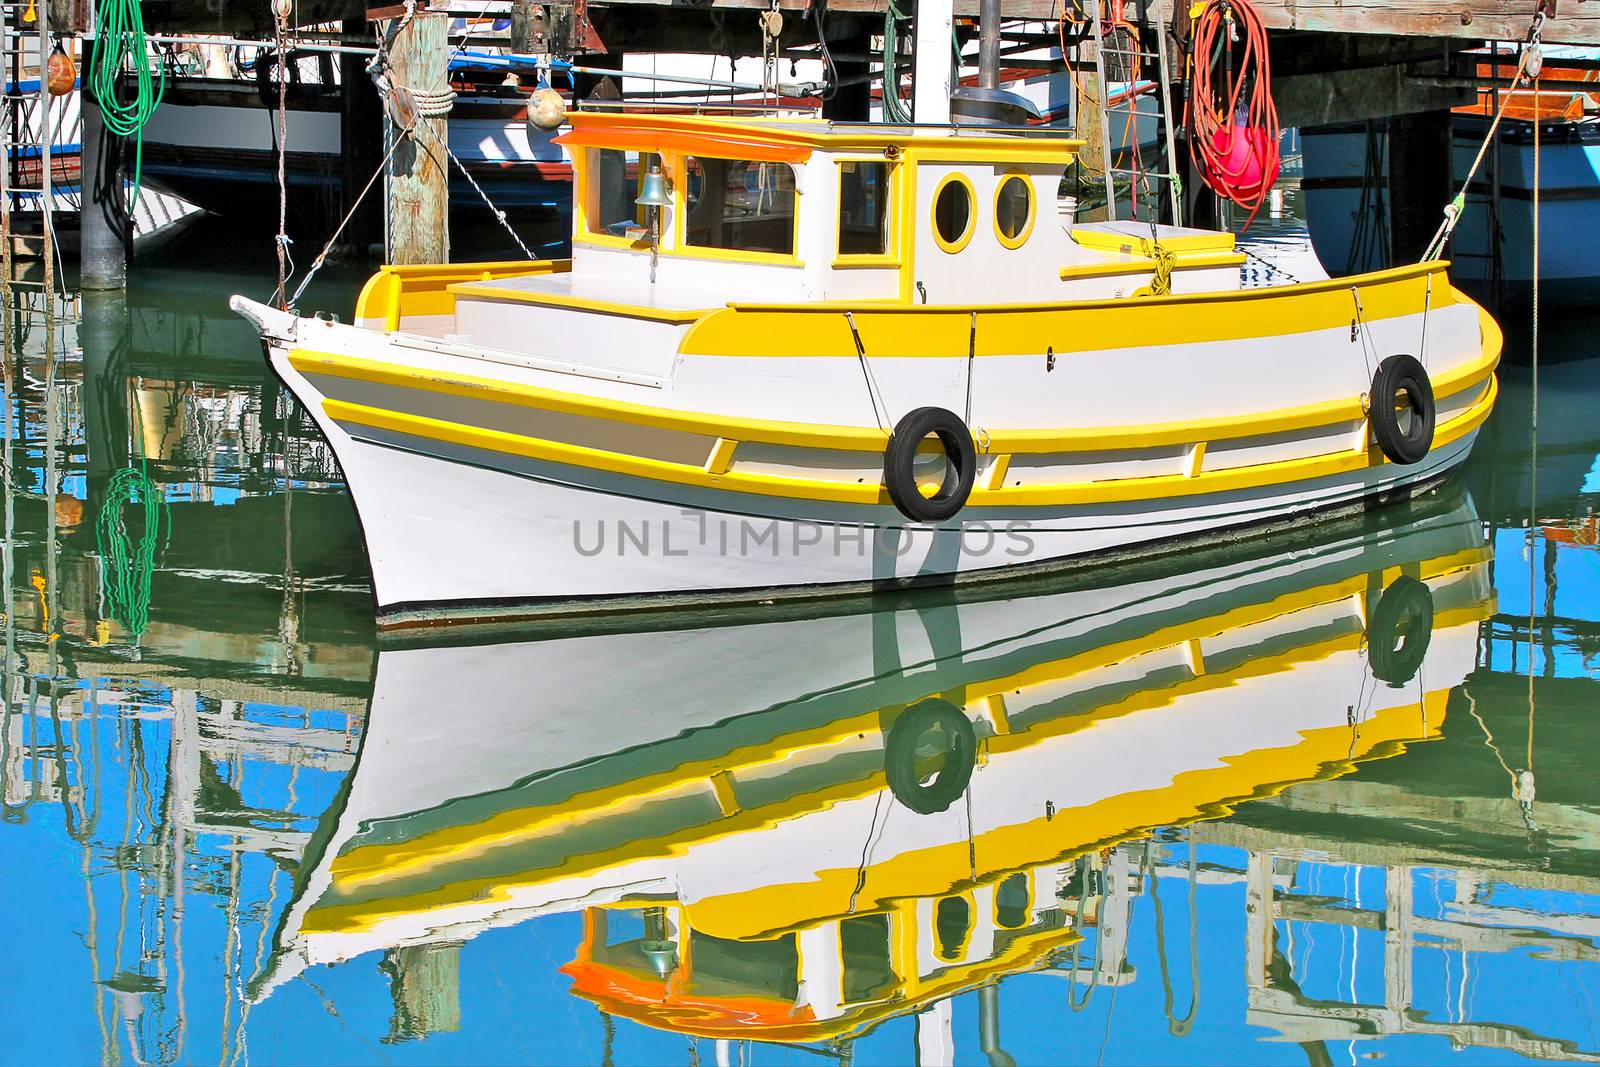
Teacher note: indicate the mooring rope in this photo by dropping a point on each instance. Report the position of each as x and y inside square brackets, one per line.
[1533, 433]
[1528, 66]
[281, 11]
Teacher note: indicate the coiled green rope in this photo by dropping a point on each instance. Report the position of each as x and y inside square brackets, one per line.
[121, 42]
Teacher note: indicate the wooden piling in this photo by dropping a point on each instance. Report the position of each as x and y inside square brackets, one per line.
[419, 170]
[1419, 181]
[852, 102]
[106, 227]
[361, 147]
[1092, 161]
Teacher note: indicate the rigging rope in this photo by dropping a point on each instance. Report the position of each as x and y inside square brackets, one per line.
[120, 29]
[281, 32]
[1230, 116]
[1525, 792]
[1528, 67]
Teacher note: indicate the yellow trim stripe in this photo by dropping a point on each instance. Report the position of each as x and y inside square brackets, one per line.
[1307, 416]
[1145, 264]
[862, 493]
[802, 434]
[1106, 240]
[396, 293]
[871, 439]
[915, 330]
[967, 145]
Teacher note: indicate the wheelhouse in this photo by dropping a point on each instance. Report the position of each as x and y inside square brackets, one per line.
[787, 209]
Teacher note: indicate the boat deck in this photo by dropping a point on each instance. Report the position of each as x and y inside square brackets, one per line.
[590, 292]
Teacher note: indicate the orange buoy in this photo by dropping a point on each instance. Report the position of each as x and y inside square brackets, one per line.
[69, 510]
[61, 74]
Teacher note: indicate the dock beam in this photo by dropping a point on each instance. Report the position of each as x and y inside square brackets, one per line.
[104, 217]
[419, 171]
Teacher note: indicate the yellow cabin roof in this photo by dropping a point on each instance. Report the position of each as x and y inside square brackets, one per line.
[792, 140]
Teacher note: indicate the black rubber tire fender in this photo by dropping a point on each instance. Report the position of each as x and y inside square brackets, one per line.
[899, 458]
[1400, 382]
[900, 756]
[1399, 631]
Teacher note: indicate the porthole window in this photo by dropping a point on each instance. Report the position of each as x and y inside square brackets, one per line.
[1013, 210]
[953, 215]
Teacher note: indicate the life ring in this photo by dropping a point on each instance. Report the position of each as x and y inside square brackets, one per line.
[1401, 409]
[904, 751]
[1399, 631]
[899, 459]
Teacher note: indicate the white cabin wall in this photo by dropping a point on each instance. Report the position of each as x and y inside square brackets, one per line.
[690, 281]
[985, 271]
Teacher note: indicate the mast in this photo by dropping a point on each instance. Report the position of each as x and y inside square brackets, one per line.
[933, 74]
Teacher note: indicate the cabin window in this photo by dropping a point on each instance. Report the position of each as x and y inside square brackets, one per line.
[865, 945]
[1011, 900]
[952, 213]
[611, 188]
[952, 926]
[740, 205]
[863, 208]
[1013, 210]
[741, 969]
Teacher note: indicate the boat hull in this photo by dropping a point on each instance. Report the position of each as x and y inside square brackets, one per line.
[460, 533]
[1348, 214]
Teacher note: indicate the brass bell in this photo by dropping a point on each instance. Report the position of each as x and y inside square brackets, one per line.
[653, 190]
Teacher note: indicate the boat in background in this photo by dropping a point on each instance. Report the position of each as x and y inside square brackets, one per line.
[1491, 252]
[927, 801]
[156, 216]
[213, 141]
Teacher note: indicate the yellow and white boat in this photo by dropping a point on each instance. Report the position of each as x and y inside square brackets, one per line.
[909, 800]
[789, 355]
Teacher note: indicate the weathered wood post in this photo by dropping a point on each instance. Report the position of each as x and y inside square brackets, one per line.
[1092, 161]
[419, 171]
[106, 226]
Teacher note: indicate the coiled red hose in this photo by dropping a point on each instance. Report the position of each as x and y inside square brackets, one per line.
[1231, 120]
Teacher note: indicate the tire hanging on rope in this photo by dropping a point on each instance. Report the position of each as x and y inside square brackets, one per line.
[1230, 118]
[1401, 627]
[900, 462]
[1402, 410]
[929, 756]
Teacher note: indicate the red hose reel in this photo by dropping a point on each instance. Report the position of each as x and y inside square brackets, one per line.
[1230, 117]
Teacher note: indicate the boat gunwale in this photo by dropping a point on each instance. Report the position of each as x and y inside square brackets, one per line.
[736, 428]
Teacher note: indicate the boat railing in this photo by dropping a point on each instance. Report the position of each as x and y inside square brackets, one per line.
[397, 293]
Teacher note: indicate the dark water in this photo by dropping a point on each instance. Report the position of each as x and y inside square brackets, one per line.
[1327, 796]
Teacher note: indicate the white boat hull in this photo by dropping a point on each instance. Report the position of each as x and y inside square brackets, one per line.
[486, 534]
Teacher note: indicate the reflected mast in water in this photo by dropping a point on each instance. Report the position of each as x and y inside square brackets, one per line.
[174, 764]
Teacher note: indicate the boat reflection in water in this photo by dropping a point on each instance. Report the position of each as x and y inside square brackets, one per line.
[791, 828]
